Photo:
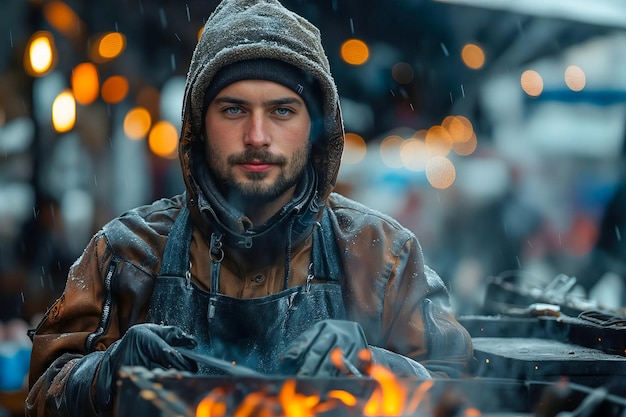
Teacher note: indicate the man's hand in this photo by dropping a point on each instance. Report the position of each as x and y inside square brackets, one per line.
[148, 345]
[329, 348]
[339, 347]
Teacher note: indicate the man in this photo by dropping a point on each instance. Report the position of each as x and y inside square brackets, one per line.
[258, 262]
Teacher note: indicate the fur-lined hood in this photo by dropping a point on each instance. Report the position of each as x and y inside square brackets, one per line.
[240, 30]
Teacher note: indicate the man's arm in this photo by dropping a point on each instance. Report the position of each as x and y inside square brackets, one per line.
[60, 339]
[418, 319]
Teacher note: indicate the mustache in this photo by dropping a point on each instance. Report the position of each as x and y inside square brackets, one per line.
[251, 155]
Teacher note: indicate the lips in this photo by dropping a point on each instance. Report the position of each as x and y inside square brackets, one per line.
[256, 166]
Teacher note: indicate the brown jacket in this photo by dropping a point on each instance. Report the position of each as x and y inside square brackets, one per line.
[401, 304]
[109, 288]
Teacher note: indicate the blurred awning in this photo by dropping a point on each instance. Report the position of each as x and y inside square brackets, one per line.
[597, 12]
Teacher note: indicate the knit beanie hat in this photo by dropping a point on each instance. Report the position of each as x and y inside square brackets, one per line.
[240, 32]
[270, 70]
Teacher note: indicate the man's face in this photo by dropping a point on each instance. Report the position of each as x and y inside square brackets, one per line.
[257, 140]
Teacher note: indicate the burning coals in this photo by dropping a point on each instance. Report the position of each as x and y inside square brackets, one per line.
[389, 397]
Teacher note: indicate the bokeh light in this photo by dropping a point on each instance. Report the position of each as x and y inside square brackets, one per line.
[137, 123]
[414, 154]
[62, 17]
[575, 78]
[354, 149]
[402, 73]
[438, 141]
[440, 172]
[64, 112]
[85, 83]
[459, 128]
[473, 56]
[355, 52]
[467, 147]
[114, 89]
[532, 83]
[390, 151]
[163, 139]
[40, 55]
[107, 47]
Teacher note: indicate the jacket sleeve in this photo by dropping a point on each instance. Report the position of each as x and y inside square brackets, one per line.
[418, 320]
[62, 337]
[401, 303]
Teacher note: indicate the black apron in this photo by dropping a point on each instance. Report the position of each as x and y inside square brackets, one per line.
[252, 332]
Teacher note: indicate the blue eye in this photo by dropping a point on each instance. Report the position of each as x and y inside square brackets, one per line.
[232, 110]
[282, 111]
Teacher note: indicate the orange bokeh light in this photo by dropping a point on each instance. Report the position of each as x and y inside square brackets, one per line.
[163, 139]
[137, 123]
[85, 83]
[438, 140]
[532, 83]
[473, 56]
[114, 89]
[355, 52]
[61, 17]
[111, 45]
[354, 149]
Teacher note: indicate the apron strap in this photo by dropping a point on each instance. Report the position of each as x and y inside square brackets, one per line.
[325, 257]
[176, 256]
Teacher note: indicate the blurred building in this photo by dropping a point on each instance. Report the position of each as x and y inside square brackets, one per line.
[495, 132]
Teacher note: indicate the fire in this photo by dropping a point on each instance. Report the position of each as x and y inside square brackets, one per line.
[211, 406]
[392, 397]
[389, 398]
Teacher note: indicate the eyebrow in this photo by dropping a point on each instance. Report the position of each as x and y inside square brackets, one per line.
[274, 102]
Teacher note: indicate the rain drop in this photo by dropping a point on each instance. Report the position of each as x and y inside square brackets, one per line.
[352, 26]
[444, 49]
[163, 18]
[188, 14]
[462, 91]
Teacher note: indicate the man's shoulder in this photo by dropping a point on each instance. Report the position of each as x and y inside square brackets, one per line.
[353, 214]
[143, 226]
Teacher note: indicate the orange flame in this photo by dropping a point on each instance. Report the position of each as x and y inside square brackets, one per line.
[210, 406]
[392, 397]
[389, 398]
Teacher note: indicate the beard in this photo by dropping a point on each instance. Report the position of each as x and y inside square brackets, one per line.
[254, 189]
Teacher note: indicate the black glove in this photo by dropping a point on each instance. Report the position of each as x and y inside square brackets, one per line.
[310, 353]
[400, 365]
[148, 345]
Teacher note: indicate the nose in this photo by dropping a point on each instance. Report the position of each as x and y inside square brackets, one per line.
[257, 135]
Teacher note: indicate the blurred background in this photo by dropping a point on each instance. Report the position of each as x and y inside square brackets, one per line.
[493, 129]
